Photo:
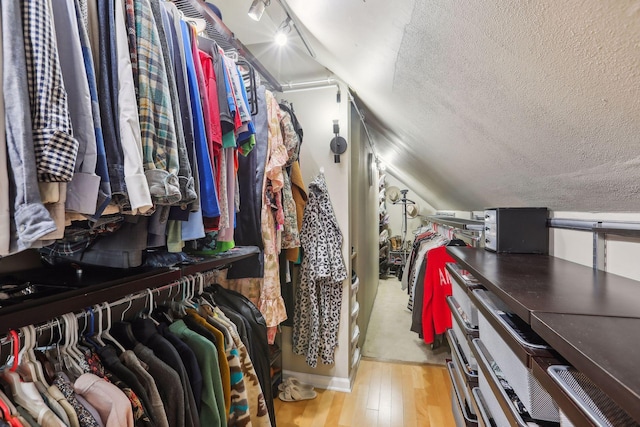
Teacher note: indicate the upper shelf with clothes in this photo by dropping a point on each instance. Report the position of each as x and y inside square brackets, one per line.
[37, 295]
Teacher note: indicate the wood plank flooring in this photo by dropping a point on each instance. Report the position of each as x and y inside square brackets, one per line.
[385, 394]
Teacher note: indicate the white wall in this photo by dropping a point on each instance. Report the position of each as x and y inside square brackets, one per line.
[395, 211]
[364, 225]
[316, 109]
[622, 253]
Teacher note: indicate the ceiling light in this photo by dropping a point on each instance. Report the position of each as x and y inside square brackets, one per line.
[257, 9]
[282, 33]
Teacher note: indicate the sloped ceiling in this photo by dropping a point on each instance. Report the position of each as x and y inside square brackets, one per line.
[475, 103]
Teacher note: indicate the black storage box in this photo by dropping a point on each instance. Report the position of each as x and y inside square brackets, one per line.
[516, 230]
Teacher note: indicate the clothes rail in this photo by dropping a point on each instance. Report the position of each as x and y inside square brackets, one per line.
[474, 237]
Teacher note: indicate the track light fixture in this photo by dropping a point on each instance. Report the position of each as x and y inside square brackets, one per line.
[257, 9]
[282, 33]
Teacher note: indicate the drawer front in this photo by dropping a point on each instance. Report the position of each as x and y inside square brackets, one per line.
[465, 314]
[596, 406]
[484, 416]
[536, 399]
[465, 346]
[522, 339]
[491, 242]
[468, 378]
[533, 396]
[493, 409]
[490, 228]
[490, 216]
[458, 405]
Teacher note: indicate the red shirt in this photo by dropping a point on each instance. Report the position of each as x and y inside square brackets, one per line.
[436, 316]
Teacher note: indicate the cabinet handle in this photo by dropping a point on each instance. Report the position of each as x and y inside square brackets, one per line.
[572, 381]
[460, 357]
[494, 383]
[484, 417]
[468, 417]
[492, 310]
[466, 327]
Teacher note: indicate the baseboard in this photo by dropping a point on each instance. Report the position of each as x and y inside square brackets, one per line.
[321, 381]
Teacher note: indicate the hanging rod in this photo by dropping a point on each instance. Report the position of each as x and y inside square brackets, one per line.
[618, 228]
[460, 223]
[313, 84]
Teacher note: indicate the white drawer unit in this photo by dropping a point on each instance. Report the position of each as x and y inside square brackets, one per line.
[485, 419]
[463, 282]
[558, 342]
[464, 345]
[461, 408]
[535, 398]
[468, 376]
[499, 399]
[598, 407]
[493, 407]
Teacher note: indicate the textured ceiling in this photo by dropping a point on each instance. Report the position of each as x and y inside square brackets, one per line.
[476, 104]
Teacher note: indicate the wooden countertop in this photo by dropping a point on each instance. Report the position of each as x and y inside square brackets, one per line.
[532, 283]
[606, 349]
[591, 318]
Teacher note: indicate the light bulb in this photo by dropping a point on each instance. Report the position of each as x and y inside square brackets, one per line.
[281, 38]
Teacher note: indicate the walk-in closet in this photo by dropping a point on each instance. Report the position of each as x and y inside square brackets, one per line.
[319, 213]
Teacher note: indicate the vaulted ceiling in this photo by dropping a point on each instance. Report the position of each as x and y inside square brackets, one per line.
[480, 103]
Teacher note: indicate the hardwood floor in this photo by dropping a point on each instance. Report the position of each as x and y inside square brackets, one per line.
[384, 394]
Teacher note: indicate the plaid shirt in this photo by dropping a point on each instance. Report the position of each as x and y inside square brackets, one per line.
[55, 148]
[159, 141]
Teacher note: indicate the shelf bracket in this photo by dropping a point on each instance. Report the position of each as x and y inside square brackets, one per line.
[599, 248]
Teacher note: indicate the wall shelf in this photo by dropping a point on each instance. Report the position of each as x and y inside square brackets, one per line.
[69, 289]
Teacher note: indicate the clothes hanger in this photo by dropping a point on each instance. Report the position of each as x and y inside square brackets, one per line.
[151, 308]
[70, 359]
[201, 293]
[126, 309]
[31, 355]
[87, 336]
[48, 370]
[24, 393]
[97, 336]
[163, 312]
[106, 334]
[13, 359]
[26, 370]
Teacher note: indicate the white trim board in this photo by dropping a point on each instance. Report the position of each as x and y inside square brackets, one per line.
[321, 381]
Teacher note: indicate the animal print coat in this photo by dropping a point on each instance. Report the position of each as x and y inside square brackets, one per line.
[319, 293]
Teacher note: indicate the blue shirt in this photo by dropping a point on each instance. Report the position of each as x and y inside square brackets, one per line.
[208, 193]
